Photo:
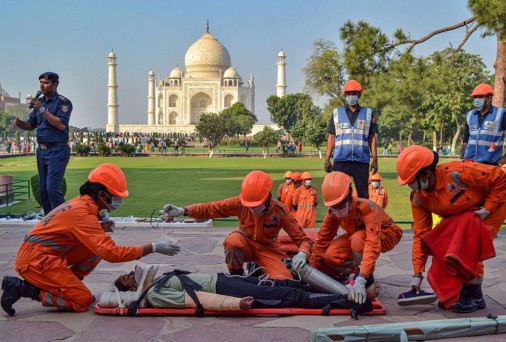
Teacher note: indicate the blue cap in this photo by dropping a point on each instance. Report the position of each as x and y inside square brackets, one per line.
[50, 76]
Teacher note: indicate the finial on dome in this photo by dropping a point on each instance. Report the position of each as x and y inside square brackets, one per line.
[207, 28]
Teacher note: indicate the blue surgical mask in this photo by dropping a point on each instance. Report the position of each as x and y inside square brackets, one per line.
[352, 99]
[479, 103]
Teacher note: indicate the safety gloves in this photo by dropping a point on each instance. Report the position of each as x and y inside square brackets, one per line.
[299, 260]
[165, 247]
[416, 282]
[482, 213]
[357, 292]
[170, 210]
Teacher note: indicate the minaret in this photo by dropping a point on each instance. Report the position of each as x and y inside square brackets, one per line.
[151, 98]
[281, 85]
[112, 96]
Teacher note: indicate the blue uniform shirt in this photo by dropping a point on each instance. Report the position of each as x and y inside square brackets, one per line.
[46, 133]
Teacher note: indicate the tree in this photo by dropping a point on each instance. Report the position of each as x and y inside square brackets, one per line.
[242, 117]
[311, 131]
[489, 15]
[212, 127]
[6, 121]
[265, 138]
[324, 72]
[287, 110]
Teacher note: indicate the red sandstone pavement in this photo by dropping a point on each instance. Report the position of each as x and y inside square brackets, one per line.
[203, 251]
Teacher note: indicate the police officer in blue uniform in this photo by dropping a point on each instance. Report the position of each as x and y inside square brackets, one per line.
[51, 116]
[352, 137]
[484, 131]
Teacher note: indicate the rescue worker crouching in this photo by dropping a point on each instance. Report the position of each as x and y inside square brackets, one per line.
[447, 190]
[368, 231]
[260, 219]
[69, 242]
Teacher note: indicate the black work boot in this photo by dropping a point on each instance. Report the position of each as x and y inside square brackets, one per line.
[15, 288]
[470, 300]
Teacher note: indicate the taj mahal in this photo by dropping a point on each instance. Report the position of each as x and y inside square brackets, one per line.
[208, 83]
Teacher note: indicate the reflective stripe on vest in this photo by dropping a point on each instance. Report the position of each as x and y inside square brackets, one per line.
[352, 141]
[481, 138]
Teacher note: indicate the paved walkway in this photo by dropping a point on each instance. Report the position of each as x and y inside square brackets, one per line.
[203, 251]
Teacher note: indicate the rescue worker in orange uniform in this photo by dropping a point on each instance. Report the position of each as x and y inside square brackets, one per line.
[446, 190]
[260, 219]
[377, 193]
[69, 242]
[284, 187]
[367, 231]
[296, 183]
[305, 200]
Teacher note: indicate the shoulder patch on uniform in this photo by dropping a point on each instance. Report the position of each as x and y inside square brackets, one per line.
[456, 178]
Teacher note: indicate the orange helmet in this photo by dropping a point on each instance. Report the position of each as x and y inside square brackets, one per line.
[255, 188]
[110, 176]
[288, 174]
[307, 175]
[297, 176]
[482, 89]
[376, 177]
[411, 160]
[335, 188]
[352, 85]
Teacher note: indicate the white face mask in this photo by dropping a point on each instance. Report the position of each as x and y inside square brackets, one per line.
[343, 212]
[260, 210]
[308, 182]
[423, 185]
[115, 202]
[375, 184]
[288, 180]
[479, 103]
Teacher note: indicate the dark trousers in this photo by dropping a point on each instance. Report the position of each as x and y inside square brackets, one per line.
[283, 294]
[51, 165]
[360, 174]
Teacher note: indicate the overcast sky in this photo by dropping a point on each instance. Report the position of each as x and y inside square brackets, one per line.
[73, 39]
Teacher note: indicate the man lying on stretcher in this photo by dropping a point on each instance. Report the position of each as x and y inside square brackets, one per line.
[220, 291]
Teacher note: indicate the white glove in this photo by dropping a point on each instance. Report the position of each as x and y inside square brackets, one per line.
[416, 282]
[358, 290]
[299, 260]
[165, 247]
[170, 210]
[482, 213]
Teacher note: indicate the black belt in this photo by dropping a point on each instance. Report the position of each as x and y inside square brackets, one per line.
[48, 145]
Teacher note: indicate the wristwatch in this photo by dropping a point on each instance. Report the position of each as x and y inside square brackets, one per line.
[42, 110]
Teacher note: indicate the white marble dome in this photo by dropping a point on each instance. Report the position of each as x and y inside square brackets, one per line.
[231, 73]
[207, 57]
[176, 72]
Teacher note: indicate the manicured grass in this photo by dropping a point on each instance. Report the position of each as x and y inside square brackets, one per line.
[157, 180]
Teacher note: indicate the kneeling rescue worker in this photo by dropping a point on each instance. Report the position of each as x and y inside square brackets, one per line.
[260, 219]
[69, 242]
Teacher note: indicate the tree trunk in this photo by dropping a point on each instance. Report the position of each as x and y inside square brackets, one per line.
[434, 140]
[455, 140]
[500, 71]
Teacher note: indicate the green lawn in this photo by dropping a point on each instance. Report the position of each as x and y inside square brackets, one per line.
[157, 180]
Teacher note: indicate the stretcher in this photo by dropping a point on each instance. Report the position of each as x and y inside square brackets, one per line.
[378, 309]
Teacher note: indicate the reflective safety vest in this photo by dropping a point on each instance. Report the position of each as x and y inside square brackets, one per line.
[479, 147]
[352, 141]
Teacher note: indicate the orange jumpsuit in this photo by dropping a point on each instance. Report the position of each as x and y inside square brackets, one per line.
[368, 231]
[378, 196]
[63, 248]
[257, 236]
[282, 190]
[460, 186]
[287, 199]
[306, 200]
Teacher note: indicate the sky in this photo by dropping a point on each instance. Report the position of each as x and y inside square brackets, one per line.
[73, 38]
